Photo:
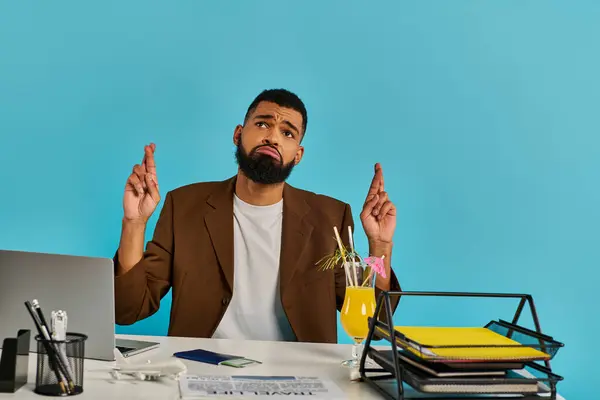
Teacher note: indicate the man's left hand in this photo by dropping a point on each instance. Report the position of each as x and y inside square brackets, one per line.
[378, 215]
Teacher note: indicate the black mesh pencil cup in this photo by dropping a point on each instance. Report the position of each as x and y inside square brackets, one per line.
[60, 365]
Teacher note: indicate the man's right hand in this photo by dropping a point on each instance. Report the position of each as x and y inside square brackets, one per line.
[139, 202]
[141, 191]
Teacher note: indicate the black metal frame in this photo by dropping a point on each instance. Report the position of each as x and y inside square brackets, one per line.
[399, 371]
[14, 363]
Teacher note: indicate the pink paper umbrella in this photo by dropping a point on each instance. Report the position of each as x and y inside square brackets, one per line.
[376, 264]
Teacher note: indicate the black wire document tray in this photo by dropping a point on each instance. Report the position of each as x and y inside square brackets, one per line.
[494, 361]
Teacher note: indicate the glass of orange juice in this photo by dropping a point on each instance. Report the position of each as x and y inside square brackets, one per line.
[359, 305]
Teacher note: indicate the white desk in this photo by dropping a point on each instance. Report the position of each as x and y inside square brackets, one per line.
[322, 360]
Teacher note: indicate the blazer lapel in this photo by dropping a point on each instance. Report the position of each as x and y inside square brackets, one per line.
[219, 223]
[296, 233]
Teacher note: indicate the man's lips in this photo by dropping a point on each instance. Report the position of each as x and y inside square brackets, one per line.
[269, 151]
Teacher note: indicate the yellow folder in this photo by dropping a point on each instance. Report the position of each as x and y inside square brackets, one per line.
[467, 336]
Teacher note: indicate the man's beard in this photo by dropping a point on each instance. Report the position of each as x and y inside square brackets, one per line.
[262, 168]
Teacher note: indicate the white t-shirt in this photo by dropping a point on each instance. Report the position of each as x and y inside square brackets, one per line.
[255, 311]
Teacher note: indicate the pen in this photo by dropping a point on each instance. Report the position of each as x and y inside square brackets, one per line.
[59, 333]
[51, 354]
[64, 363]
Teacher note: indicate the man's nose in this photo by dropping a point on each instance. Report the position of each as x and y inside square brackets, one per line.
[272, 137]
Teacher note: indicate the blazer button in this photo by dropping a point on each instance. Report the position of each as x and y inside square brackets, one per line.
[225, 301]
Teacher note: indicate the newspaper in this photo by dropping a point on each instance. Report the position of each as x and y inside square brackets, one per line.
[272, 387]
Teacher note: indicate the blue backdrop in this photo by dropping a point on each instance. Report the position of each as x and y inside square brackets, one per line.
[481, 113]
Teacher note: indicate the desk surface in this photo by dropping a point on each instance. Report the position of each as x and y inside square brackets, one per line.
[279, 358]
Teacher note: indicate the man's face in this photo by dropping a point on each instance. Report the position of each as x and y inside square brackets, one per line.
[268, 145]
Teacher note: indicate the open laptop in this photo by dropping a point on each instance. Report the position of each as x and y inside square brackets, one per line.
[81, 286]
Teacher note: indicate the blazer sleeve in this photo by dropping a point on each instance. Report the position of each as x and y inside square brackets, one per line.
[340, 274]
[138, 292]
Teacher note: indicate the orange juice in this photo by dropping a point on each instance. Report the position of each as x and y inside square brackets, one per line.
[359, 305]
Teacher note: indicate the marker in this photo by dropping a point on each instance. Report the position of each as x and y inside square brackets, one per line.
[58, 327]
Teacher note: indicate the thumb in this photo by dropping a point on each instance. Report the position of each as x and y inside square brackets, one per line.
[370, 203]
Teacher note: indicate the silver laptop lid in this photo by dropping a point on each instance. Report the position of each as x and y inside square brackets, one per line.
[81, 286]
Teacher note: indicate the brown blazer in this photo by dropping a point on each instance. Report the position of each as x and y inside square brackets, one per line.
[192, 253]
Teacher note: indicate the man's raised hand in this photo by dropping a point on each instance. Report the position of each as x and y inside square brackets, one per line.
[141, 190]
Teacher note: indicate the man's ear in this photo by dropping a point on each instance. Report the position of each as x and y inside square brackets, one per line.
[299, 154]
[237, 135]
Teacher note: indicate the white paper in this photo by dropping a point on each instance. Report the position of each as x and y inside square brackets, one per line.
[243, 386]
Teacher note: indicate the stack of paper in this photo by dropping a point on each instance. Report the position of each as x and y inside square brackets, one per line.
[458, 344]
[461, 360]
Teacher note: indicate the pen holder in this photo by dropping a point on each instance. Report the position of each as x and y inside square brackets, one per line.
[60, 365]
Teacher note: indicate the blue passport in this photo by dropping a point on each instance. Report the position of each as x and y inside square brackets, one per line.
[210, 357]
